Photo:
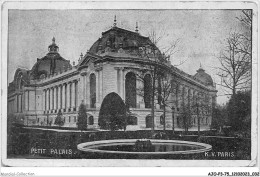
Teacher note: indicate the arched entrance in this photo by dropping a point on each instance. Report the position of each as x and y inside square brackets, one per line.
[92, 79]
[130, 90]
[147, 90]
[112, 114]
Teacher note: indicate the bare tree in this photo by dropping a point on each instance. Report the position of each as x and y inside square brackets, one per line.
[235, 59]
[235, 70]
[158, 59]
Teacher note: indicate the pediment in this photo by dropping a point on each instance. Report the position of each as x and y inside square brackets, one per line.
[87, 60]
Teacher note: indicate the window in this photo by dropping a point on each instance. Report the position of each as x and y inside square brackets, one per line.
[162, 120]
[148, 121]
[75, 118]
[132, 120]
[91, 120]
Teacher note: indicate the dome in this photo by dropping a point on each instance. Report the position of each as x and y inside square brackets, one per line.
[118, 38]
[202, 76]
[49, 64]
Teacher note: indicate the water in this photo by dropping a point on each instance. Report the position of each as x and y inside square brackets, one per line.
[156, 147]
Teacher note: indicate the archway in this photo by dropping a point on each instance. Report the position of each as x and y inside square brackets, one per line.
[92, 79]
[147, 90]
[112, 114]
[130, 89]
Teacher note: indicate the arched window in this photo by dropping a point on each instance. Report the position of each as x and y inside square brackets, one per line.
[161, 119]
[91, 120]
[130, 89]
[148, 121]
[92, 90]
[147, 90]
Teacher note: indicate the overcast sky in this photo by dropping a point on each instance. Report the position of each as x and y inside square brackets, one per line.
[201, 34]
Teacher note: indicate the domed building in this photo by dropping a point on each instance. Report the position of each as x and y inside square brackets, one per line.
[121, 62]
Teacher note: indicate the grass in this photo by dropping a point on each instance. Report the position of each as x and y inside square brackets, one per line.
[21, 140]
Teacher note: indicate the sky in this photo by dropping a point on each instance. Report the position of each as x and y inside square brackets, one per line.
[201, 33]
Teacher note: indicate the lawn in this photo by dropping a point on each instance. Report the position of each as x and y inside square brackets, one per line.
[22, 142]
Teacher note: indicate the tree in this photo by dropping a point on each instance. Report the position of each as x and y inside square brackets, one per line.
[219, 117]
[59, 119]
[239, 111]
[185, 120]
[235, 70]
[236, 57]
[82, 122]
[167, 90]
[112, 114]
[156, 64]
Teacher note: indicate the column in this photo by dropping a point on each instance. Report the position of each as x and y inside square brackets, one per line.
[97, 88]
[64, 96]
[15, 104]
[55, 100]
[59, 97]
[83, 84]
[25, 100]
[51, 98]
[139, 98]
[43, 99]
[77, 100]
[186, 96]
[87, 90]
[181, 97]
[68, 95]
[47, 99]
[101, 86]
[28, 100]
[176, 96]
[123, 84]
[73, 94]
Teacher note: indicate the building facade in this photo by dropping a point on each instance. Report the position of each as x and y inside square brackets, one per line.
[120, 62]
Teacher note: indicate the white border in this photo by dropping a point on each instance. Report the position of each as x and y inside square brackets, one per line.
[128, 5]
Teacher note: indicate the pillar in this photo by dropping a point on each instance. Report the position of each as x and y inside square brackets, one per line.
[97, 88]
[47, 99]
[55, 98]
[59, 97]
[123, 84]
[25, 100]
[63, 96]
[68, 95]
[51, 98]
[43, 100]
[101, 86]
[77, 100]
[73, 94]
[83, 85]
[87, 90]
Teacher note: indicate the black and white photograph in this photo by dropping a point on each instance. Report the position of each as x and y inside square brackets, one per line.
[142, 84]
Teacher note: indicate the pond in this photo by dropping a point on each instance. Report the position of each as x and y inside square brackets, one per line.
[135, 148]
